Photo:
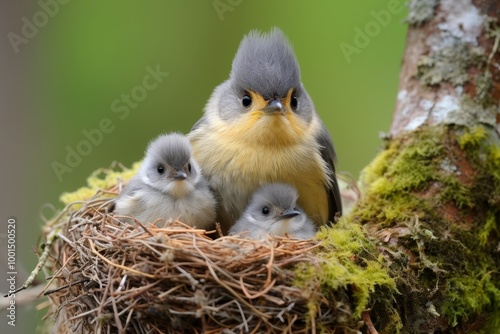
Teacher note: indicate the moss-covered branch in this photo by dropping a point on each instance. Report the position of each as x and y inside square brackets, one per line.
[432, 200]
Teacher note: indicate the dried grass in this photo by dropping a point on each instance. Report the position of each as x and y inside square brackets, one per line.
[112, 277]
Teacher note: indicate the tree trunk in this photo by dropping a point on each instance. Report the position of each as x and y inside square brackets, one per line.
[432, 196]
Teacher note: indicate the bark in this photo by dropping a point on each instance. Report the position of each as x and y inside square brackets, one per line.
[432, 196]
[451, 72]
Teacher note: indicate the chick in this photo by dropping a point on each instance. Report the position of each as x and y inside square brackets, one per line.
[273, 210]
[168, 186]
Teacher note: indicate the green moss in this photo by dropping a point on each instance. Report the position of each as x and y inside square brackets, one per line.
[468, 296]
[379, 165]
[493, 171]
[492, 326]
[473, 138]
[489, 227]
[495, 160]
[101, 179]
[395, 174]
[433, 198]
[411, 167]
[341, 267]
[484, 151]
[456, 192]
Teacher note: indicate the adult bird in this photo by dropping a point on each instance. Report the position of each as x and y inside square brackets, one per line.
[260, 126]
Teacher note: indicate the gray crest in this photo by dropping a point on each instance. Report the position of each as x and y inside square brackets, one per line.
[266, 64]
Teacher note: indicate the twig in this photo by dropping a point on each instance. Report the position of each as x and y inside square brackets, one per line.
[365, 315]
[227, 287]
[41, 262]
[219, 229]
[26, 297]
[143, 226]
[258, 294]
[122, 284]
[194, 283]
[495, 48]
[117, 265]
[48, 292]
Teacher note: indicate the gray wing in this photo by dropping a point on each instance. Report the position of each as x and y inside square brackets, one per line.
[328, 154]
[198, 123]
[202, 183]
[130, 188]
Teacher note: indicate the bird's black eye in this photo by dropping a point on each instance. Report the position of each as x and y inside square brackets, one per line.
[266, 210]
[294, 102]
[189, 168]
[160, 169]
[246, 101]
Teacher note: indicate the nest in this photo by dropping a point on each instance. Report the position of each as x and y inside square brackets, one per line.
[108, 276]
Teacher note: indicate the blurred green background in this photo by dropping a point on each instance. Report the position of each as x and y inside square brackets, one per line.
[64, 78]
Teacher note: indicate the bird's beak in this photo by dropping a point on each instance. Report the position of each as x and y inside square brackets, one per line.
[274, 105]
[180, 175]
[289, 213]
